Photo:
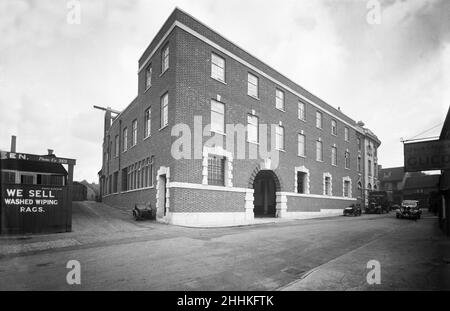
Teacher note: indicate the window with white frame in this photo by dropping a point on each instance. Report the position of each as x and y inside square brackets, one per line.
[125, 139]
[252, 85]
[147, 122]
[252, 128]
[279, 137]
[347, 159]
[134, 133]
[327, 184]
[165, 58]
[318, 119]
[346, 133]
[116, 146]
[217, 116]
[216, 170]
[301, 110]
[301, 180]
[279, 99]
[333, 127]
[347, 187]
[148, 76]
[217, 67]
[164, 120]
[301, 145]
[333, 155]
[319, 151]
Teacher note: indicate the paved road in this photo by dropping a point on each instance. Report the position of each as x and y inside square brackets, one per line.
[116, 253]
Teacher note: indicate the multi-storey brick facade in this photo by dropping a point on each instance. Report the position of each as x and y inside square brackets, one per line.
[184, 79]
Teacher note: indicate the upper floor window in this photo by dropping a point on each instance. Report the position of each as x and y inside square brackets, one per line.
[333, 155]
[125, 139]
[301, 145]
[116, 146]
[319, 151]
[165, 58]
[279, 99]
[333, 127]
[279, 137]
[252, 128]
[346, 133]
[148, 77]
[358, 164]
[164, 110]
[347, 159]
[134, 133]
[217, 67]
[217, 116]
[252, 85]
[358, 142]
[318, 119]
[147, 122]
[369, 169]
[301, 110]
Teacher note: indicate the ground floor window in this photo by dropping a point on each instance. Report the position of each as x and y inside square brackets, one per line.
[327, 184]
[216, 170]
[9, 177]
[347, 187]
[301, 176]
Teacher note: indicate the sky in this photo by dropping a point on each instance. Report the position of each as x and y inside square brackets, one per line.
[391, 70]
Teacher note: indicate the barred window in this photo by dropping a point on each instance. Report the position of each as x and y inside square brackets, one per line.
[216, 170]
[252, 85]
[217, 67]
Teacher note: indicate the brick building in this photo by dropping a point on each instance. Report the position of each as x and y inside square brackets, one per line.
[190, 77]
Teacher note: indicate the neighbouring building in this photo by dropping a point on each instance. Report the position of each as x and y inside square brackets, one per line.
[189, 77]
[421, 187]
[36, 192]
[443, 201]
[392, 180]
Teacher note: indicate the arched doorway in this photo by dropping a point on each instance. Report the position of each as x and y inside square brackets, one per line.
[265, 186]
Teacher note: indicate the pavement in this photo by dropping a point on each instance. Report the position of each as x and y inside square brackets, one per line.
[117, 253]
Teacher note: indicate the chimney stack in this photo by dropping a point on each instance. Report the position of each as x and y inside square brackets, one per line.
[50, 152]
[13, 143]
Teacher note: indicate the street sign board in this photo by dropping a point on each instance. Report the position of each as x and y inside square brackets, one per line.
[427, 155]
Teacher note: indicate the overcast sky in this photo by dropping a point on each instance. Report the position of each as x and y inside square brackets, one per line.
[395, 76]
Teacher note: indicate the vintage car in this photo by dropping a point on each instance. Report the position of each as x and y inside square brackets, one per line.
[143, 211]
[353, 210]
[409, 209]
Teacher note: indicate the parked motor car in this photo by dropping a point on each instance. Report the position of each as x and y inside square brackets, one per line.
[409, 209]
[378, 203]
[142, 212]
[353, 210]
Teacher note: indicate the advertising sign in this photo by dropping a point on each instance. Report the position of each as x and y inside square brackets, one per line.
[33, 208]
[427, 155]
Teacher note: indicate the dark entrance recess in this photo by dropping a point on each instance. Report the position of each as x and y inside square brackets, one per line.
[264, 186]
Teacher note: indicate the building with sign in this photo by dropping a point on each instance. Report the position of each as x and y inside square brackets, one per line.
[36, 192]
[297, 157]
